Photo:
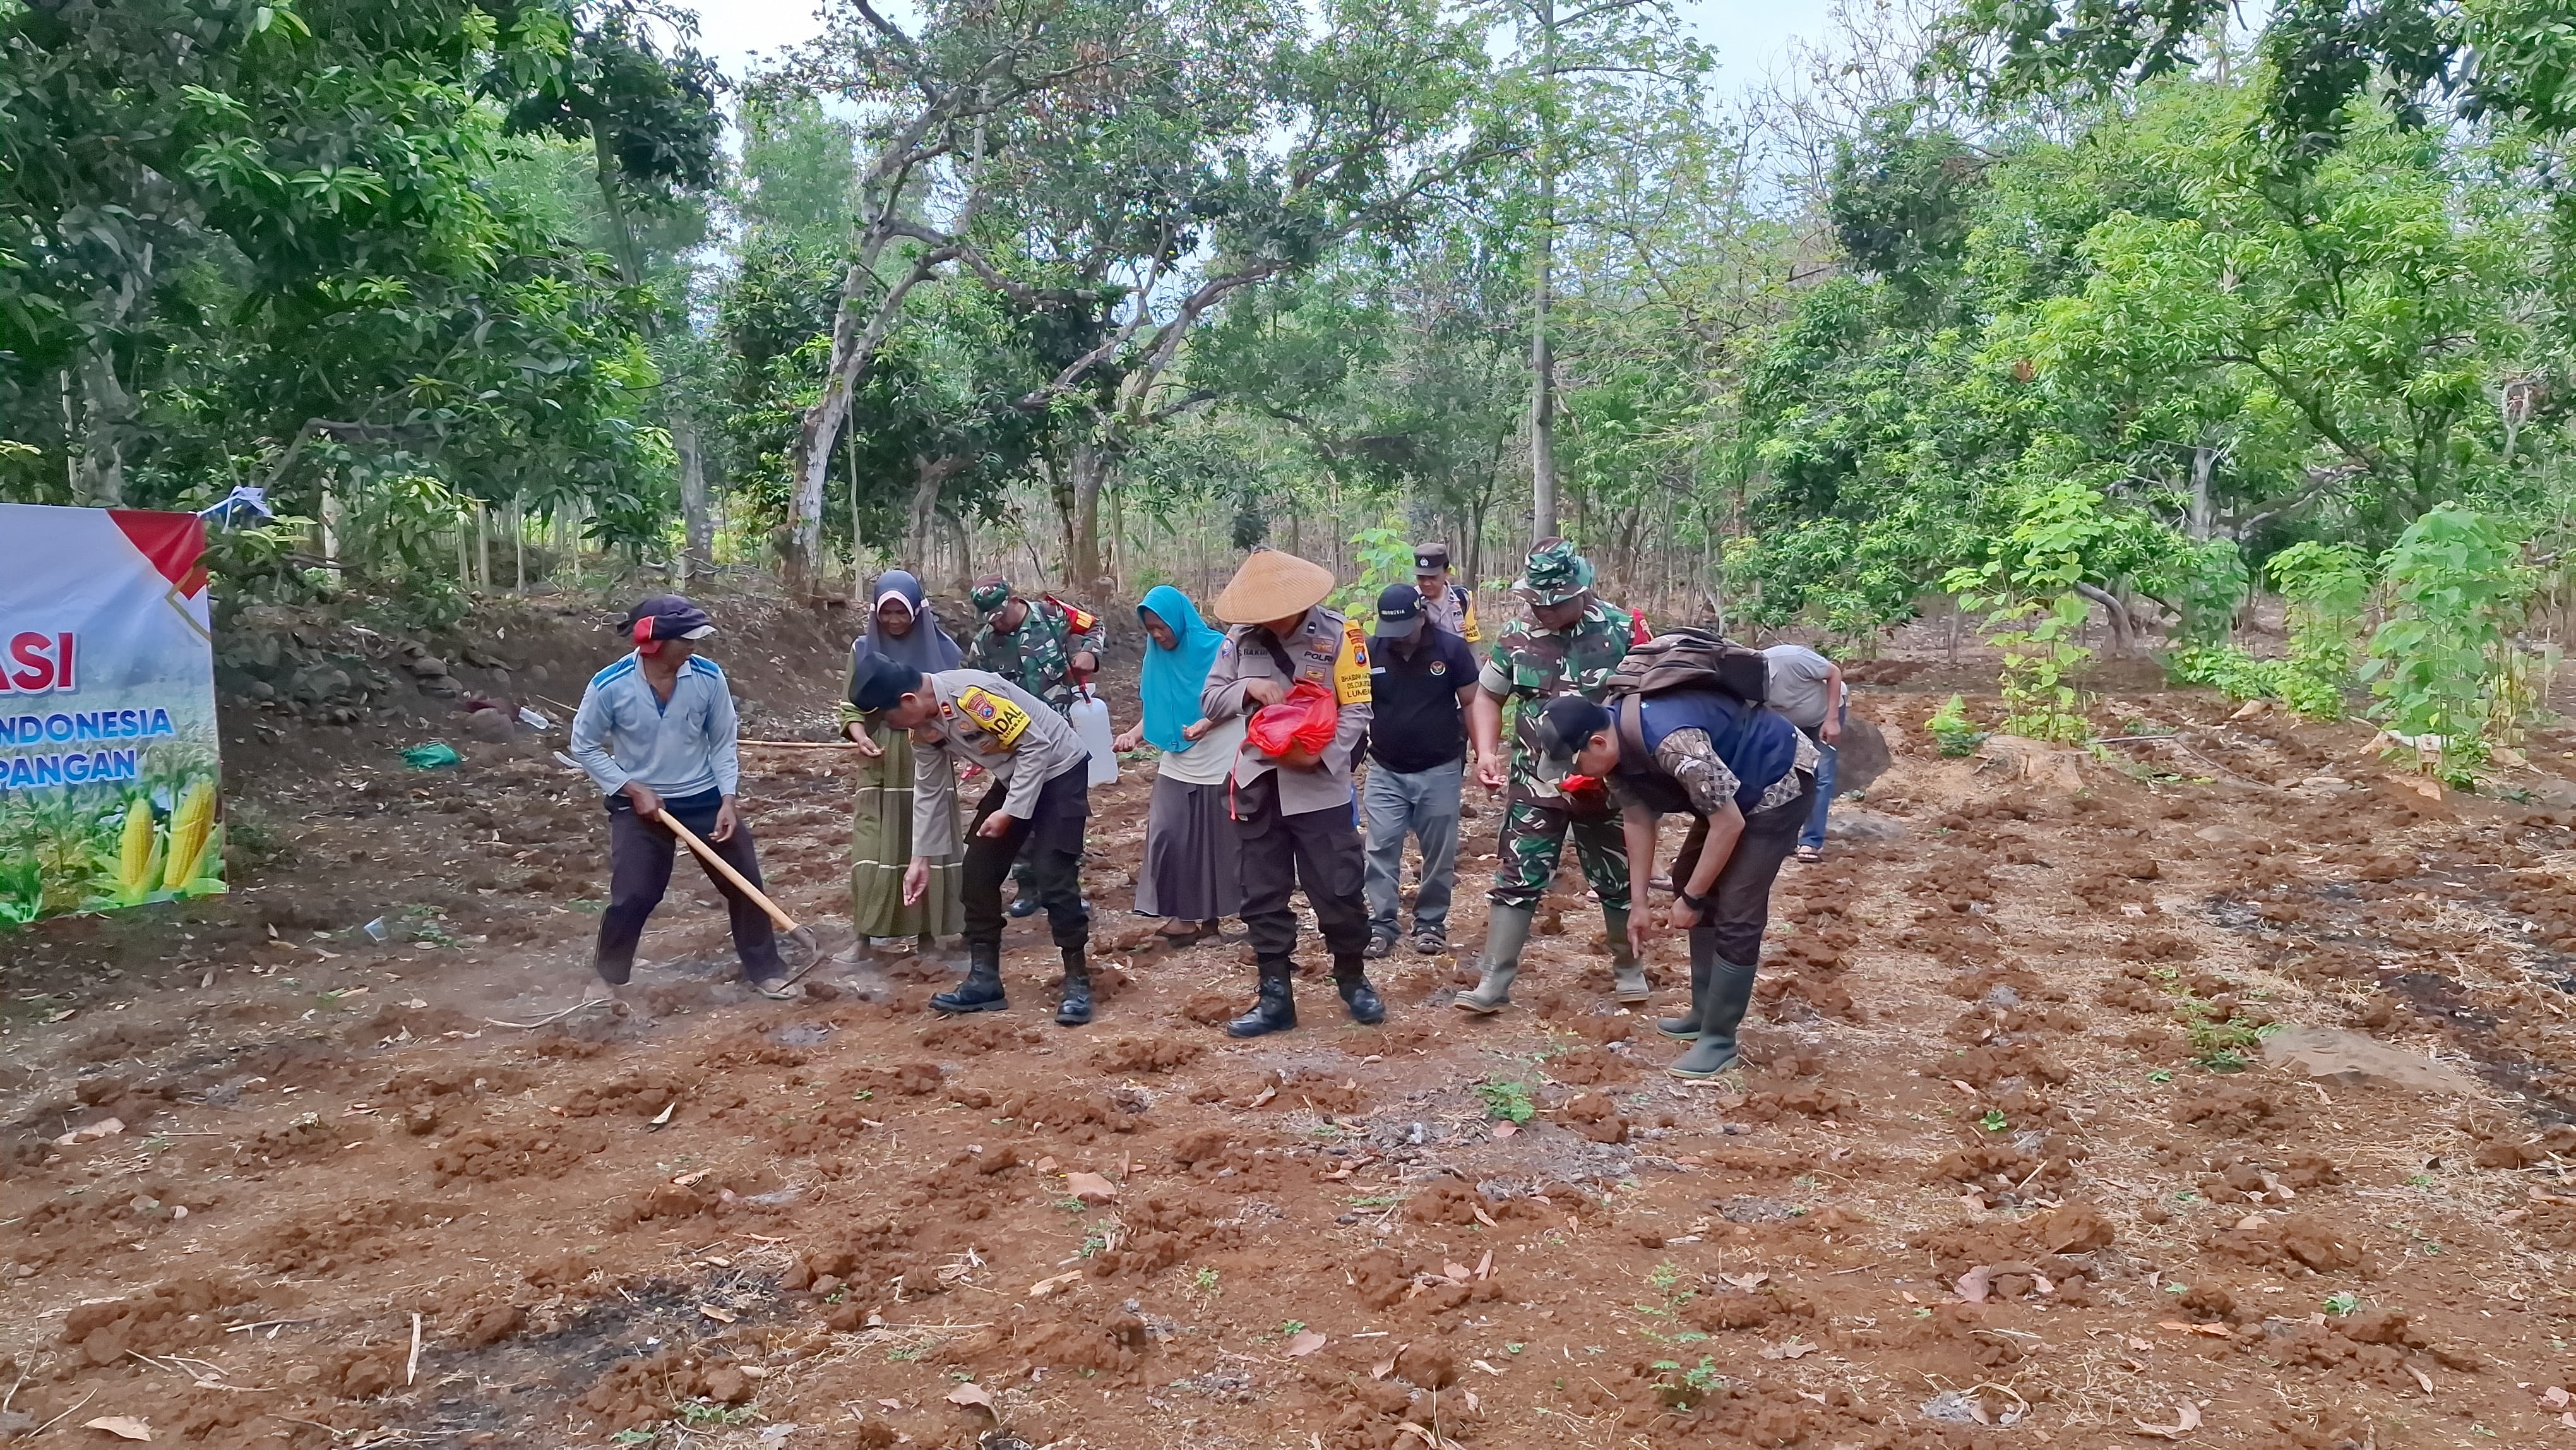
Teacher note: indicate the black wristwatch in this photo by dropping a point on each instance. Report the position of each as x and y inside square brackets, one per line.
[1695, 903]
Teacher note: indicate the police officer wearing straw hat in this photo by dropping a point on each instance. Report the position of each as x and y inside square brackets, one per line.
[1294, 810]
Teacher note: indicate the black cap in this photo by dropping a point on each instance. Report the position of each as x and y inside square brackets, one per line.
[1430, 558]
[1399, 611]
[878, 682]
[673, 616]
[1564, 723]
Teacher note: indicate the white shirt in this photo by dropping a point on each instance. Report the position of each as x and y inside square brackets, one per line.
[1210, 758]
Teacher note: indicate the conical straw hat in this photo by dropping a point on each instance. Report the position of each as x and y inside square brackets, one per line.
[1272, 585]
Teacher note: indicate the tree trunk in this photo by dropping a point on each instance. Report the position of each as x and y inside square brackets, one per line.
[858, 328]
[965, 554]
[2114, 614]
[922, 517]
[106, 408]
[858, 571]
[2204, 512]
[1542, 355]
[697, 551]
[1086, 473]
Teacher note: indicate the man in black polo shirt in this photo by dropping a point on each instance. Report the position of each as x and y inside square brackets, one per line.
[1420, 676]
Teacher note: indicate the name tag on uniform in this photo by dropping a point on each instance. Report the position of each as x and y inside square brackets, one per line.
[996, 716]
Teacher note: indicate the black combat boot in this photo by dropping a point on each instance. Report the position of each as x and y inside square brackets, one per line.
[1075, 1009]
[1276, 1009]
[982, 989]
[1357, 994]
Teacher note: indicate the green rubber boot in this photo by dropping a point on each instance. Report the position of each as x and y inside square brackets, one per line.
[1685, 1028]
[1507, 930]
[1627, 977]
[1730, 992]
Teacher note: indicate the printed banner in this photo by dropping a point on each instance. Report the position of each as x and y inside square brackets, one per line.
[107, 712]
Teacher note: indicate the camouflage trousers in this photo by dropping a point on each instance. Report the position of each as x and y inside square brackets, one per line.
[1533, 842]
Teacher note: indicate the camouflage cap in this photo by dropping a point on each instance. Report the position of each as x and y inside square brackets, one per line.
[1555, 573]
[989, 594]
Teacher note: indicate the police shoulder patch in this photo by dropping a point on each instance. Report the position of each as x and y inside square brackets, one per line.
[998, 717]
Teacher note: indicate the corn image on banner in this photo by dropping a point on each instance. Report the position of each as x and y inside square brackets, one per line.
[107, 712]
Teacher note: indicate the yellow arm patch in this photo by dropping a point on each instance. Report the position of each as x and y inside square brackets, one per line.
[1468, 622]
[1351, 668]
[997, 717]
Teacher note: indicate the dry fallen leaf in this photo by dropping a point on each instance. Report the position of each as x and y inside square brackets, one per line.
[1483, 1217]
[1505, 1130]
[889, 1404]
[1090, 1187]
[1750, 1282]
[1305, 1344]
[2137, 1343]
[1972, 1285]
[721, 1316]
[971, 1394]
[2421, 1378]
[1386, 1366]
[1265, 1095]
[103, 1128]
[1478, 1364]
[2214, 1331]
[1047, 1165]
[1485, 1265]
[1457, 1272]
[1794, 1349]
[1044, 1287]
[2555, 1397]
[2189, 1420]
[664, 1116]
[685, 1179]
[123, 1427]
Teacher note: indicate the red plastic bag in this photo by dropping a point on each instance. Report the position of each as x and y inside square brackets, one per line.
[1308, 717]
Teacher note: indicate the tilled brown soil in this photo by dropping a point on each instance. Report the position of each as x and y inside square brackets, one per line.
[2010, 1166]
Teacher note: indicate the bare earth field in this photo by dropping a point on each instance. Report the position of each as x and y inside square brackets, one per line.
[2016, 1162]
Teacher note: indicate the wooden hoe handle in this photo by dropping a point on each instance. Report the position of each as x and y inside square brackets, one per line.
[724, 868]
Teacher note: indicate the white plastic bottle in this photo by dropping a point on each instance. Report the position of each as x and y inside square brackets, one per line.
[1091, 721]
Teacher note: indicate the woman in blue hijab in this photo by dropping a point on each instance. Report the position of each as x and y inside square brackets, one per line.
[901, 626]
[1193, 858]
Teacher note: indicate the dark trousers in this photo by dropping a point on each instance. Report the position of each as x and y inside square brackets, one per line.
[639, 871]
[1317, 849]
[1052, 839]
[1739, 905]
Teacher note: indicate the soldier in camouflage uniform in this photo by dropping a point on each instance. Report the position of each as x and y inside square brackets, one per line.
[1042, 646]
[1568, 644]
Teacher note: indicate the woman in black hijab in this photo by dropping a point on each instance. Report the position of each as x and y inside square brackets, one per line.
[900, 627]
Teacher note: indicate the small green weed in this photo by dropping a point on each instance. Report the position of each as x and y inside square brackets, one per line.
[1507, 1100]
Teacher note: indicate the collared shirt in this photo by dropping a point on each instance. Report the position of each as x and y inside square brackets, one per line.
[1691, 759]
[1455, 611]
[1312, 648]
[1534, 665]
[679, 747]
[1418, 724]
[1038, 656]
[984, 720]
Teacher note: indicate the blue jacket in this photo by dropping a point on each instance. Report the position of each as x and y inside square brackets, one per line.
[1758, 744]
[680, 748]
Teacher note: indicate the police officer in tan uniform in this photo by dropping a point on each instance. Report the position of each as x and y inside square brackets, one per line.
[1294, 811]
[1039, 801]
